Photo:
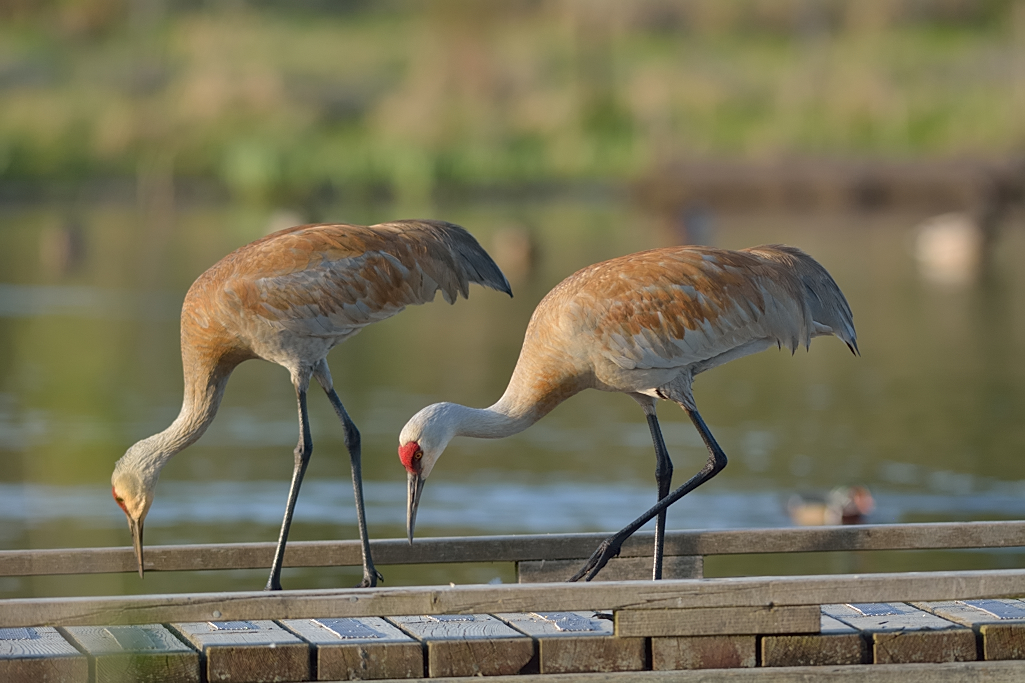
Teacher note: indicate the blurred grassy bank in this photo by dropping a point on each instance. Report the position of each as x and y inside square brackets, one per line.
[300, 103]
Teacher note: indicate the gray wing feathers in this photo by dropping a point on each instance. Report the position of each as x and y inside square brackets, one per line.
[416, 259]
[791, 304]
[826, 304]
[455, 259]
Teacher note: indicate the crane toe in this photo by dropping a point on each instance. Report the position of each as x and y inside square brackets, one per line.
[608, 549]
[370, 579]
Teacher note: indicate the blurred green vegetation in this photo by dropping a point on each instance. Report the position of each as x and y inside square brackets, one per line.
[286, 102]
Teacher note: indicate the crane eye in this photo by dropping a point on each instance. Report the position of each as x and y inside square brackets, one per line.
[419, 454]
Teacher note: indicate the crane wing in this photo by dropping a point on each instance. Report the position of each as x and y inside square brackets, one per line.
[331, 280]
[690, 305]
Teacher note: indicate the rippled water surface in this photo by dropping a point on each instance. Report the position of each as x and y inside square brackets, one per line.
[930, 417]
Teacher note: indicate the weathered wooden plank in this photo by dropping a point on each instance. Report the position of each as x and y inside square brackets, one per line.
[891, 616]
[28, 655]
[574, 642]
[561, 624]
[470, 645]
[35, 669]
[618, 569]
[1004, 609]
[26, 643]
[245, 651]
[959, 672]
[902, 634]
[516, 548]
[835, 644]
[486, 599]
[716, 621]
[1003, 641]
[851, 537]
[703, 652]
[976, 612]
[129, 654]
[999, 623]
[366, 648]
[905, 647]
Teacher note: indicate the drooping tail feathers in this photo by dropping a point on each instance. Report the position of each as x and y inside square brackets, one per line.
[451, 245]
[828, 307]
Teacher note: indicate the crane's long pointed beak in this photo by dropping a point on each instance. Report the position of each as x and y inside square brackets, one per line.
[136, 529]
[416, 487]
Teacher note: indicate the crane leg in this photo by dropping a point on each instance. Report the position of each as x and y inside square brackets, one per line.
[663, 478]
[352, 443]
[303, 451]
[611, 546]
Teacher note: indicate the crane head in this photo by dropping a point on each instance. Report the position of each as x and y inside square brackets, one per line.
[134, 498]
[411, 456]
[421, 443]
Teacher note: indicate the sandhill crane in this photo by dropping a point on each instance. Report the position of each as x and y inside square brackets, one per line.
[643, 324]
[289, 298]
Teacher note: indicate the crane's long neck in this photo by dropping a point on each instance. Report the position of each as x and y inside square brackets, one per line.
[495, 422]
[543, 378]
[534, 390]
[204, 388]
[199, 406]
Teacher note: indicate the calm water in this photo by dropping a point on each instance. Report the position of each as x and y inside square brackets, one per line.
[929, 418]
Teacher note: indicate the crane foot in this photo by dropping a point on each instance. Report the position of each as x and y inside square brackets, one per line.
[608, 549]
[370, 578]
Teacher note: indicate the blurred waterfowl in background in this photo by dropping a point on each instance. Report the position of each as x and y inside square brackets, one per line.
[62, 248]
[516, 251]
[958, 248]
[842, 505]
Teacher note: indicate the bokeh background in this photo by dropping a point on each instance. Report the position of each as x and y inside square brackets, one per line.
[141, 140]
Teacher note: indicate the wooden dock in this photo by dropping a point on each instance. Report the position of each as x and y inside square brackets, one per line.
[906, 627]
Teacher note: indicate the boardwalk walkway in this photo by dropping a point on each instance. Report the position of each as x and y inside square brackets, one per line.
[910, 626]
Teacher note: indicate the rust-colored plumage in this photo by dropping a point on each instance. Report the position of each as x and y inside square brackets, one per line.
[289, 298]
[644, 324]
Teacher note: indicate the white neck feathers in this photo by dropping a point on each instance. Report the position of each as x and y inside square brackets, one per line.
[147, 457]
[495, 422]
